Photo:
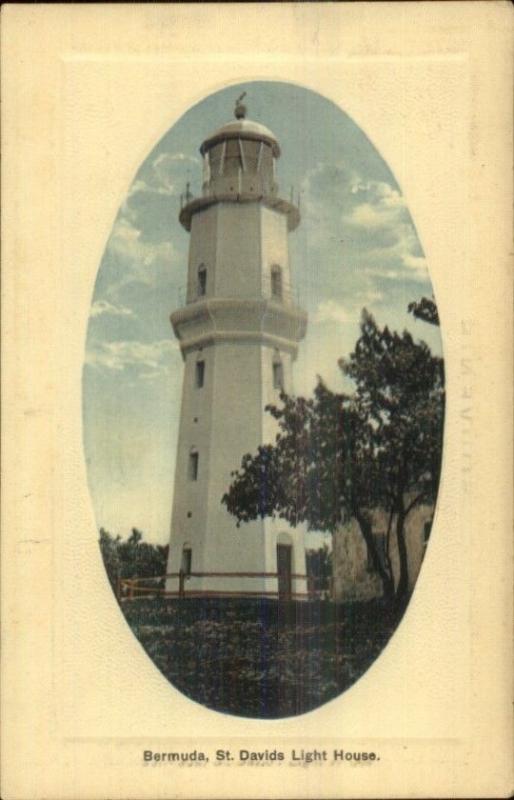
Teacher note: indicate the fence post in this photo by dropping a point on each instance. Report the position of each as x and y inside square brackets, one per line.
[181, 577]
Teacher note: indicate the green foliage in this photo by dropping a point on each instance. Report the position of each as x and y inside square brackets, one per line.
[131, 558]
[307, 475]
[425, 309]
[400, 392]
[338, 456]
[319, 566]
[259, 658]
[109, 549]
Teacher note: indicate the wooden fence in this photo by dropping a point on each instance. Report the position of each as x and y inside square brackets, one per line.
[135, 588]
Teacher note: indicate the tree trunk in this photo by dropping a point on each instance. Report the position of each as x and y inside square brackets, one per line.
[378, 566]
[403, 580]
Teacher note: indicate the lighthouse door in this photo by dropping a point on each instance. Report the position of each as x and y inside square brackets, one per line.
[284, 560]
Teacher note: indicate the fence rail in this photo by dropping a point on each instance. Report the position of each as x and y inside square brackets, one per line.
[134, 588]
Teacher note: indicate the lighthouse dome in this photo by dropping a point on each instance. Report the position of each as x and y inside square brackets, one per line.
[242, 129]
[239, 167]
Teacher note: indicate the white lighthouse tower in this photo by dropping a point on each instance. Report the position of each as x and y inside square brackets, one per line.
[238, 332]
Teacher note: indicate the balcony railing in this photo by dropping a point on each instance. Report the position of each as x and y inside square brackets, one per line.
[287, 296]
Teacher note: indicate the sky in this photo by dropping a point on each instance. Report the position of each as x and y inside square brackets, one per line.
[356, 247]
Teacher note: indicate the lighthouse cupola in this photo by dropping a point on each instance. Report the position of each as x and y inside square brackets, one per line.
[239, 158]
[239, 166]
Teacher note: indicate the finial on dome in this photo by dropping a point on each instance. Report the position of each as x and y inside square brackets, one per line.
[240, 109]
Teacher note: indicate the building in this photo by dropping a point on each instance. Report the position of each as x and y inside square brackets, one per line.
[353, 575]
[238, 332]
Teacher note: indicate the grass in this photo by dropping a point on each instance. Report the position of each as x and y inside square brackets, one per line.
[260, 658]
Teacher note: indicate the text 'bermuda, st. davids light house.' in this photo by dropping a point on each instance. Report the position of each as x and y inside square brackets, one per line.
[238, 332]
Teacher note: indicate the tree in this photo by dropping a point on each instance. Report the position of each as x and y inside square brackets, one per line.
[425, 309]
[319, 566]
[132, 558]
[319, 471]
[400, 390]
[109, 549]
[338, 456]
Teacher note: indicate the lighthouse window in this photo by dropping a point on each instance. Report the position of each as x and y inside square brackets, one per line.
[202, 280]
[193, 465]
[232, 157]
[278, 375]
[200, 373]
[276, 282]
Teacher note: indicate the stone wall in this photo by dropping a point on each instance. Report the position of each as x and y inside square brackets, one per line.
[353, 578]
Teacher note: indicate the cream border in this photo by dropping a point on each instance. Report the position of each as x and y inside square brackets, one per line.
[87, 91]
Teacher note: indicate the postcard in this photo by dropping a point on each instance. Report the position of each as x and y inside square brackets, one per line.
[257, 401]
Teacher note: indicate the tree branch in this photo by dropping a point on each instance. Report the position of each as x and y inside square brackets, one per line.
[413, 503]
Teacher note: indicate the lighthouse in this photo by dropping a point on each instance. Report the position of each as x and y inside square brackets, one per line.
[239, 332]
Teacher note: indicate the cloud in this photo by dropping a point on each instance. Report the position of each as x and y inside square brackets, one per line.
[170, 168]
[402, 258]
[369, 296]
[140, 247]
[330, 311]
[120, 355]
[330, 180]
[103, 307]
[367, 218]
[386, 274]
[167, 175]
[416, 263]
[137, 260]
[377, 206]
[384, 207]
[146, 239]
[126, 241]
[327, 191]
[141, 239]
